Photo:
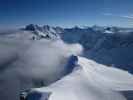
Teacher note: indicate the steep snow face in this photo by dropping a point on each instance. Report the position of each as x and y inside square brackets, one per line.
[88, 81]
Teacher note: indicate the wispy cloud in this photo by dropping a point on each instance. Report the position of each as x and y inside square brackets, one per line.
[128, 16]
[107, 14]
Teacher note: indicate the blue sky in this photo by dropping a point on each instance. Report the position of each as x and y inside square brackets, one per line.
[66, 13]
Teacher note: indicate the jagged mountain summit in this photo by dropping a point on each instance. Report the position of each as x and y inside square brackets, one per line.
[45, 31]
[33, 32]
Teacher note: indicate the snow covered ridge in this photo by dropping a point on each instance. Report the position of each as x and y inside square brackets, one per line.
[88, 81]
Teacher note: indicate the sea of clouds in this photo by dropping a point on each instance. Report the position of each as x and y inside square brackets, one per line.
[23, 63]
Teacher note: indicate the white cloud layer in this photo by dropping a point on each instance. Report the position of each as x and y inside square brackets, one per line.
[21, 63]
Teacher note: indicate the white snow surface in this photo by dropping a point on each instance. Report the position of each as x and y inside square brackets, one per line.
[89, 81]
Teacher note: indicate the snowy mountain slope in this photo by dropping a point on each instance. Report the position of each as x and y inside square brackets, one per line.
[85, 36]
[45, 31]
[114, 49]
[88, 81]
[89, 37]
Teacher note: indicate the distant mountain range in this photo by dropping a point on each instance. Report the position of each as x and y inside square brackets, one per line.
[37, 56]
[107, 45]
